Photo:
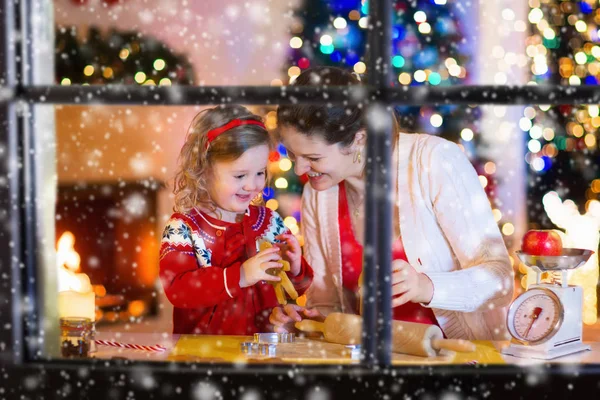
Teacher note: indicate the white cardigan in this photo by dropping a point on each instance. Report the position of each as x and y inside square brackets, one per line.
[448, 231]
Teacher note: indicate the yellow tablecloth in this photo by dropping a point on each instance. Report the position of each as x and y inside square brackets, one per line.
[226, 349]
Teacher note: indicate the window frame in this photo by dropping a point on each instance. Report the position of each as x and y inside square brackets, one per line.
[19, 247]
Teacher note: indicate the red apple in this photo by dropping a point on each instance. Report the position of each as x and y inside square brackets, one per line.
[542, 243]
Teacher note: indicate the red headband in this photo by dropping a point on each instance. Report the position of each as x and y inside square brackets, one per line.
[213, 133]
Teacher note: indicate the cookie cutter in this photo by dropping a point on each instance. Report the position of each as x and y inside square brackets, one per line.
[274, 337]
[354, 351]
[258, 349]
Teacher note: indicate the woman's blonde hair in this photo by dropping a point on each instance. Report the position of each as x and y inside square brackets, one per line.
[194, 165]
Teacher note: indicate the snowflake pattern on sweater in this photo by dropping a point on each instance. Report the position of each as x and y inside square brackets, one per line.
[179, 236]
[183, 233]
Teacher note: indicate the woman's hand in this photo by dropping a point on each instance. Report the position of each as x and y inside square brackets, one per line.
[255, 268]
[409, 285]
[292, 252]
[283, 318]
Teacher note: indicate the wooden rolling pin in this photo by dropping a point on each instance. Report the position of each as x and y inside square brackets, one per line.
[407, 337]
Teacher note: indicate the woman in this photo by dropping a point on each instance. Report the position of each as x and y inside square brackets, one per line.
[450, 265]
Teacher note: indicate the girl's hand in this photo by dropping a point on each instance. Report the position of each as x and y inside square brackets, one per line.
[284, 318]
[409, 285]
[292, 251]
[255, 268]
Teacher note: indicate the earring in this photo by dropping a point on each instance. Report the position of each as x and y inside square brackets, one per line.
[357, 157]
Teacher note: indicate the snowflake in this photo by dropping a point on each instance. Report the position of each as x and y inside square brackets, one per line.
[169, 230]
[184, 231]
[279, 226]
[205, 254]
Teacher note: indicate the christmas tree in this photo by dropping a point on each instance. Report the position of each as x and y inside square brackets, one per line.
[428, 48]
[119, 58]
[562, 143]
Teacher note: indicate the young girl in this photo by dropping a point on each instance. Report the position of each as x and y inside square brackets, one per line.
[210, 268]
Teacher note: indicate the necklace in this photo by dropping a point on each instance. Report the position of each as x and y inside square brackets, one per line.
[356, 208]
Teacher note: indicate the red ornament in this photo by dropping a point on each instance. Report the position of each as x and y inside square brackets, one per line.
[542, 243]
[274, 156]
[303, 178]
[491, 182]
[304, 63]
[565, 109]
[400, 6]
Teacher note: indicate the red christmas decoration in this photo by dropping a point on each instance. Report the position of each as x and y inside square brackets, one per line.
[490, 188]
[274, 156]
[303, 63]
[565, 109]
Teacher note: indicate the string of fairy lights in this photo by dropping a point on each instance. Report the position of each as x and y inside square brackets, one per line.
[118, 57]
[563, 49]
[417, 57]
[107, 72]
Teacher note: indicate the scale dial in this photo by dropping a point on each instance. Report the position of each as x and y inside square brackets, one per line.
[535, 316]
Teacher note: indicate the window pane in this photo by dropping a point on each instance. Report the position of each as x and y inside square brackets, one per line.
[115, 169]
[188, 43]
[436, 43]
[501, 43]
[433, 42]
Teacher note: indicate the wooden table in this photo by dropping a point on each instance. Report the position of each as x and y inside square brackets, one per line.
[226, 349]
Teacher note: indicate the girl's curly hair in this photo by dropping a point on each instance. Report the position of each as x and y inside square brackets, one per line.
[195, 160]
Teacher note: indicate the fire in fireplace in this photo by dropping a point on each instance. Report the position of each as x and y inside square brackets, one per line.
[108, 232]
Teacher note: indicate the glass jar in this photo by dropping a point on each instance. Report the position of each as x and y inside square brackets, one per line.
[75, 337]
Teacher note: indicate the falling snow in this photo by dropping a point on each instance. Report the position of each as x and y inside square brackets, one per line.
[105, 172]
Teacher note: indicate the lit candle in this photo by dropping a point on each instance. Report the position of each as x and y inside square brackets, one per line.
[76, 297]
[75, 304]
[79, 299]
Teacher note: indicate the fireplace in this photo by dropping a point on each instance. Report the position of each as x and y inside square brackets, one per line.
[115, 229]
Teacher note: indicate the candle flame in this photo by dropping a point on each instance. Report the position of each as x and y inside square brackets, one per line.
[66, 256]
[68, 263]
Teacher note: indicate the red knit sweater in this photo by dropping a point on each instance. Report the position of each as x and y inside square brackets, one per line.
[200, 260]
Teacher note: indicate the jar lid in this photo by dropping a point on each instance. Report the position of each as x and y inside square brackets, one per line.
[76, 322]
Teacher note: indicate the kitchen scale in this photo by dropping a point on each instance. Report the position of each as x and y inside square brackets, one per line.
[545, 322]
